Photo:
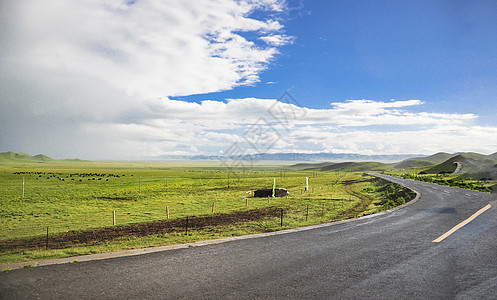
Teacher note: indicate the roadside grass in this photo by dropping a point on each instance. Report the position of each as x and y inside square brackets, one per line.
[460, 181]
[140, 192]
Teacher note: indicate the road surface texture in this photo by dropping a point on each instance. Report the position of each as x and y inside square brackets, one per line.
[387, 256]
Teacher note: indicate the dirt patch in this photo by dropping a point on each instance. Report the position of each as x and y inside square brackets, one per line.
[350, 182]
[115, 198]
[107, 234]
[364, 202]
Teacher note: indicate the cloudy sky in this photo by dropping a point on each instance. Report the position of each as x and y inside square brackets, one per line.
[140, 79]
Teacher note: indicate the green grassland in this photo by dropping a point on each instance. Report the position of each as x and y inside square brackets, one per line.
[74, 195]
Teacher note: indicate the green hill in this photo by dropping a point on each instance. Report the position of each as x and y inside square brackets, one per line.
[439, 157]
[414, 163]
[311, 166]
[475, 165]
[23, 157]
[493, 156]
[472, 165]
[447, 167]
[423, 162]
[475, 156]
[41, 157]
[14, 156]
[356, 166]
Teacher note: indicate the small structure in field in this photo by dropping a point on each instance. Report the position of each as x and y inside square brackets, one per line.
[264, 193]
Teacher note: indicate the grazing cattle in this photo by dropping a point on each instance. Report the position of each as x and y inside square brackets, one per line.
[262, 193]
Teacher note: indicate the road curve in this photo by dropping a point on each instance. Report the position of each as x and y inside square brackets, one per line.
[389, 255]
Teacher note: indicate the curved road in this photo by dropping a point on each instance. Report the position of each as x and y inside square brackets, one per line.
[389, 255]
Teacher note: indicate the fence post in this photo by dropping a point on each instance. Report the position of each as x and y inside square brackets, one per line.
[186, 227]
[167, 211]
[281, 217]
[114, 217]
[213, 206]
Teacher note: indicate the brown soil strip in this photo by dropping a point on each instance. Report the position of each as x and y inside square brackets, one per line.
[107, 234]
[358, 208]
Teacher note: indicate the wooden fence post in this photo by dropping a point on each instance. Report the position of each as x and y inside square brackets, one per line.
[186, 227]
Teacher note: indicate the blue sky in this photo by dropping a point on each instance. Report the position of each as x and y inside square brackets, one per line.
[137, 80]
[440, 51]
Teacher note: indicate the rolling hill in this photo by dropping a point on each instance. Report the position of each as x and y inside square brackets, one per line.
[356, 166]
[493, 156]
[342, 166]
[14, 157]
[468, 164]
[414, 163]
[423, 162]
[23, 157]
[472, 165]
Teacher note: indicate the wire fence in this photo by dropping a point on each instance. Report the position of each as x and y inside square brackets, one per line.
[87, 209]
[58, 235]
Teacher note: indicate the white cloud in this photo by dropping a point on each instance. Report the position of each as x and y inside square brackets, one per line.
[147, 49]
[214, 126]
[277, 39]
[84, 78]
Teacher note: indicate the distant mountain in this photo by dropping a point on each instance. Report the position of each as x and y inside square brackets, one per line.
[296, 157]
[311, 166]
[342, 166]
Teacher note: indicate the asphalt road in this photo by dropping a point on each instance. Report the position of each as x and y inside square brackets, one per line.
[388, 256]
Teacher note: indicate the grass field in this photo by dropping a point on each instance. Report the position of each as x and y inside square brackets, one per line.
[64, 196]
